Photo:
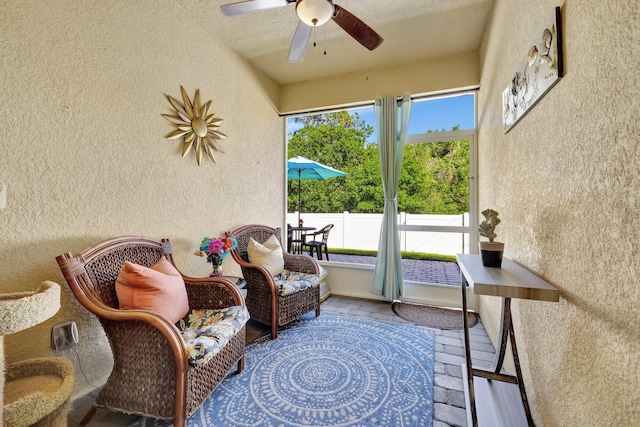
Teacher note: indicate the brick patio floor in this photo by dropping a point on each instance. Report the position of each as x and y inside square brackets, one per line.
[444, 273]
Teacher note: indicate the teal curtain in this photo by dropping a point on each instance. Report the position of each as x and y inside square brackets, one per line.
[392, 123]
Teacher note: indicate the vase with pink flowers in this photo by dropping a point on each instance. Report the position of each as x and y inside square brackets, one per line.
[215, 250]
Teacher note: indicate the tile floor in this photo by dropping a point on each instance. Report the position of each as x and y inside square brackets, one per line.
[448, 387]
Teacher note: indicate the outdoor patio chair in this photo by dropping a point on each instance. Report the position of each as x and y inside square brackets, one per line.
[162, 368]
[290, 241]
[276, 295]
[318, 244]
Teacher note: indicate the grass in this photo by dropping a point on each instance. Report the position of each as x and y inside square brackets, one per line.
[405, 255]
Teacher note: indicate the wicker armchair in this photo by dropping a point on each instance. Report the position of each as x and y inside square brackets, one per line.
[264, 302]
[151, 375]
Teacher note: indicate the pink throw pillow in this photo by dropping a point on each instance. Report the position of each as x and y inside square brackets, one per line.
[159, 288]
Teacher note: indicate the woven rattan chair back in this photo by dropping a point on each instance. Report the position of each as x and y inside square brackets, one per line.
[151, 375]
[259, 233]
[103, 263]
[263, 301]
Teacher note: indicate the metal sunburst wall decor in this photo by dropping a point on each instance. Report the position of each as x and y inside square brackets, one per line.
[195, 125]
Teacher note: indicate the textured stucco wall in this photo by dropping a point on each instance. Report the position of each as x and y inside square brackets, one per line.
[83, 151]
[565, 181]
[419, 77]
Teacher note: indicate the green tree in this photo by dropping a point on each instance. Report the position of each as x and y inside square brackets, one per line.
[433, 180]
[447, 178]
[337, 140]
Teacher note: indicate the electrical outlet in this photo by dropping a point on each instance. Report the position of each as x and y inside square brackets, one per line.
[64, 335]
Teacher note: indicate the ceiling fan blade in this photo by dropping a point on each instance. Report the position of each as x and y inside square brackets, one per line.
[356, 28]
[251, 6]
[300, 42]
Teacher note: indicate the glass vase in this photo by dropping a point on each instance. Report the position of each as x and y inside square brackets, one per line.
[217, 271]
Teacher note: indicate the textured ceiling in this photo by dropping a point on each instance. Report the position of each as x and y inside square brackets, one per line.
[412, 30]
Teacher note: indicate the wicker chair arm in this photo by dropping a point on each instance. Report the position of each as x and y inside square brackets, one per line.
[300, 263]
[244, 264]
[212, 292]
[134, 319]
[255, 273]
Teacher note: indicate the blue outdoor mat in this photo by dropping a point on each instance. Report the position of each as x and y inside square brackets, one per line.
[328, 371]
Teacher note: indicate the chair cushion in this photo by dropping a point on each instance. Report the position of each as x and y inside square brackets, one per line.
[290, 282]
[323, 273]
[206, 332]
[159, 288]
[268, 255]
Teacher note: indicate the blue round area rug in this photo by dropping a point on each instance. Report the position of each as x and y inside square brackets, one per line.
[328, 371]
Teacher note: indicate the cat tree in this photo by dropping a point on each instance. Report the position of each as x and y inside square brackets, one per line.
[34, 391]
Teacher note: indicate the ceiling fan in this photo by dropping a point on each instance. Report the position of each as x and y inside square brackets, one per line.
[312, 13]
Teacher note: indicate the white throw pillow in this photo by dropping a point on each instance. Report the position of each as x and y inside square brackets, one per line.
[268, 255]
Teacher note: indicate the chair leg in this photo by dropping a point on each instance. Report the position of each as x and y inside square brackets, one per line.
[240, 365]
[326, 252]
[180, 408]
[274, 318]
[87, 417]
[319, 252]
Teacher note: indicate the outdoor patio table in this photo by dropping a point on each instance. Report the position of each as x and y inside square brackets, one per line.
[297, 238]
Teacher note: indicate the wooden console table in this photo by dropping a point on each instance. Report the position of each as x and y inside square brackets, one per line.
[497, 399]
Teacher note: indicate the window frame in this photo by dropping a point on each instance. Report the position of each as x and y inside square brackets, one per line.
[419, 138]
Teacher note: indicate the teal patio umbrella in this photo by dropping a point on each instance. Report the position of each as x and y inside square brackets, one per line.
[300, 168]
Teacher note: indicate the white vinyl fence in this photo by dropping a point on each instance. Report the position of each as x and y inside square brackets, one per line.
[362, 231]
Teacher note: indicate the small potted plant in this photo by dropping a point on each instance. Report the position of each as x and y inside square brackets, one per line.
[490, 251]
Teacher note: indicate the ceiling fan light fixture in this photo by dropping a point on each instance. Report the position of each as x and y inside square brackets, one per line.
[314, 12]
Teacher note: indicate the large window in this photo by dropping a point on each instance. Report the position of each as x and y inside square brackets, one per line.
[437, 191]
[442, 136]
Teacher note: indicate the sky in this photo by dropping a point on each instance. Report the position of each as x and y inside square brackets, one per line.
[429, 114]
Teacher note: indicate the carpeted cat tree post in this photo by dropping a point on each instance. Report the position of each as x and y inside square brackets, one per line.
[35, 391]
